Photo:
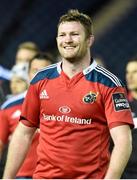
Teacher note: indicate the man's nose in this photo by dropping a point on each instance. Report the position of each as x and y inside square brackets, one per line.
[68, 38]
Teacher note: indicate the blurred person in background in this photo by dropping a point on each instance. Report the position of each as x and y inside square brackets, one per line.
[5, 76]
[11, 109]
[19, 78]
[131, 79]
[25, 52]
[77, 106]
[39, 61]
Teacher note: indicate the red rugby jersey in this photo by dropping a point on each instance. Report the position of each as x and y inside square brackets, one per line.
[74, 116]
[9, 118]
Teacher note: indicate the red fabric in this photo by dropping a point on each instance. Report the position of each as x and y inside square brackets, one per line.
[115, 124]
[8, 121]
[130, 97]
[74, 136]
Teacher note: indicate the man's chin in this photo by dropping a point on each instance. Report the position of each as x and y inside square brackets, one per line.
[132, 88]
[72, 59]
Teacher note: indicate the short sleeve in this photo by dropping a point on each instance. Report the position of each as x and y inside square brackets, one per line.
[117, 109]
[31, 108]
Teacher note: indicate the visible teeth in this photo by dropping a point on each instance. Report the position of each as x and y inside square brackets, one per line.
[69, 47]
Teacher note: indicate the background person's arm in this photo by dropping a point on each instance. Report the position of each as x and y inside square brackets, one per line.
[122, 139]
[18, 149]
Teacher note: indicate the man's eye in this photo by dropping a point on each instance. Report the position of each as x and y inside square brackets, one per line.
[75, 34]
[61, 35]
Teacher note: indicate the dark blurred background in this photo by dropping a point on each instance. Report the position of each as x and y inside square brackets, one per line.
[115, 28]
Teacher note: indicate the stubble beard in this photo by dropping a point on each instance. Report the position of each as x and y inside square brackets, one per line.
[75, 58]
[133, 89]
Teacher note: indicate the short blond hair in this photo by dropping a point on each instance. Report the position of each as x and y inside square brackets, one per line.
[28, 45]
[75, 15]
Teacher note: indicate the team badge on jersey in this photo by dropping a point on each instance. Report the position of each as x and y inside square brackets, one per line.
[64, 109]
[120, 101]
[90, 97]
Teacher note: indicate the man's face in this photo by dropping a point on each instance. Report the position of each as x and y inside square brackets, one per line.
[71, 41]
[131, 75]
[37, 65]
[18, 85]
[24, 55]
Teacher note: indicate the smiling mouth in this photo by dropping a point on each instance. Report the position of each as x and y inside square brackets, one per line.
[69, 47]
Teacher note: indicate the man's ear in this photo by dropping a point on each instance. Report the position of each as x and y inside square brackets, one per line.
[91, 40]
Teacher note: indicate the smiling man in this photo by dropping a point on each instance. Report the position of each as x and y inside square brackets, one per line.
[77, 105]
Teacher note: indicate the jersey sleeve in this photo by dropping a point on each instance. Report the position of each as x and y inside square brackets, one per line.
[4, 127]
[31, 108]
[117, 107]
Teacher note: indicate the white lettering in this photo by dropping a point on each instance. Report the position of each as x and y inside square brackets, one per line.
[73, 120]
[124, 105]
[120, 100]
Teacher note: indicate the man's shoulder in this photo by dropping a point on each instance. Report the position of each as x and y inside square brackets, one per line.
[49, 72]
[13, 101]
[105, 77]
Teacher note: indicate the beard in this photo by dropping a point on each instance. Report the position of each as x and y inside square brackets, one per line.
[132, 88]
[74, 57]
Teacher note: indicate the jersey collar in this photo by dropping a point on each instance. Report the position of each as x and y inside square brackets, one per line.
[85, 71]
[90, 68]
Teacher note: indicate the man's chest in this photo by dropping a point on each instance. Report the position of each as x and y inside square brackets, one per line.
[81, 99]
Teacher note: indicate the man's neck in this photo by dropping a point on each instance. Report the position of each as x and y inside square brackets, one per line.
[73, 68]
